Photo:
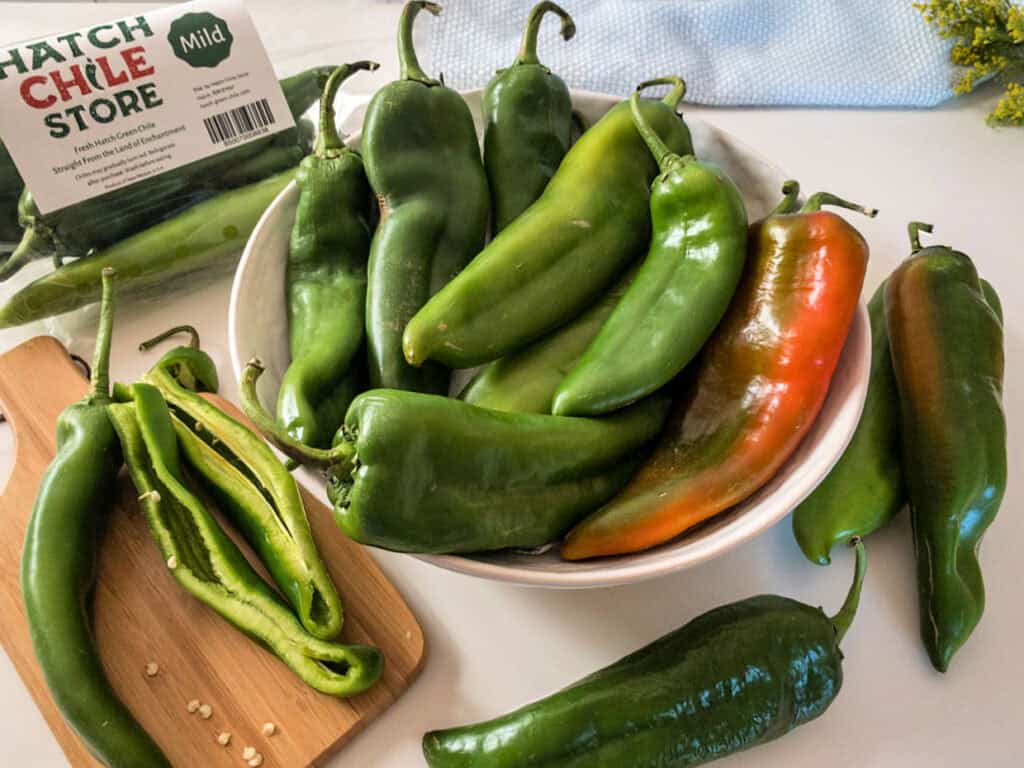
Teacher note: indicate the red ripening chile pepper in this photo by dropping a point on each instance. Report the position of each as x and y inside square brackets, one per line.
[758, 384]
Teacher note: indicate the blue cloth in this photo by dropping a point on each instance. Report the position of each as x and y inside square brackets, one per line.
[865, 53]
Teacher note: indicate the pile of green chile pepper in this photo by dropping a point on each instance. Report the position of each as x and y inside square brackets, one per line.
[528, 122]
[99, 222]
[553, 261]
[423, 161]
[326, 281]
[58, 568]
[734, 678]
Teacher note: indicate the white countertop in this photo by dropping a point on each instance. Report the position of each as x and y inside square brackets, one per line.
[492, 648]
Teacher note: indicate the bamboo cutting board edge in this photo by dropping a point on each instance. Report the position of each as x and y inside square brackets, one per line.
[200, 655]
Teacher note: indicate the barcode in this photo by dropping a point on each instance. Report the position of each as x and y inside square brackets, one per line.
[239, 121]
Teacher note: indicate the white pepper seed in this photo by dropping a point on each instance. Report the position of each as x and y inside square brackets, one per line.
[224, 739]
[205, 711]
[152, 668]
[193, 706]
[269, 729]
[248, 753]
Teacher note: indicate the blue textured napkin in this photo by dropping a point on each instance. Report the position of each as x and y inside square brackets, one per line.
[771, 52]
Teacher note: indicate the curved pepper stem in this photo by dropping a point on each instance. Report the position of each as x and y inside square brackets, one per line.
[99, 376]
[189, 366]
[341, 455]
[842, 620]
[788, 204]
[914, 230]
[32, 246]
[193, 341]
[528, 47]
[818, 199]
[674, 96]
[663, 156]
[329, 140]
[409, 64]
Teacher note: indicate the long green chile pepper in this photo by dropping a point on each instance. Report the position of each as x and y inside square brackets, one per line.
[11, 186]
[525, 381]
[422, 158]
[698, 248]
[254, 489]
[325, 278]
[203, 237]
[100, 222]
[528, 122]
[551, 263]
[734, 678]
[58, 569]
[424, 473]
[947, 354]
[208, 564]
[864, 490]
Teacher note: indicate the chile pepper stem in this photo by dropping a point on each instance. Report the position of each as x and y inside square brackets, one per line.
[842, 620]
[32, 246]
[674, 96]
[818, 199]
[193, 341]
[100, 376]
[409, 65]
[329, 138]
[342, 454]
[662, 154]
[528, 48]
[790, 193]
[914, 229]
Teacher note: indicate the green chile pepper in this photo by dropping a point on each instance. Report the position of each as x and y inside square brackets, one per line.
[423, 473]
[203, 237]
[736, 677]
[525, 381]
[947, 354]
[252, 488]
[864, 490]
[527, 123]
[208, 564]
[423, 161]
[325, 279]
[681, 292]
[58, 569]
[11, 186]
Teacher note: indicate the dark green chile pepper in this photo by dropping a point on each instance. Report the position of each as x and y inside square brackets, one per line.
[10, 192]
[78, 230]
[947, 354]
[325, 279]
[734, 678]
[552, 262]
[864, 490]
[423, 161]
[251, 487]
[204, 237]
[422, 473]
[525, 381]
[698, 248]
[208, 564]
[527, 123]
[58, 569]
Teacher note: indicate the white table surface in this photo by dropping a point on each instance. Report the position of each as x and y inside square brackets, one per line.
[492, 648]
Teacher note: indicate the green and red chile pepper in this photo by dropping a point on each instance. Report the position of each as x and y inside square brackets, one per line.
[325, 280]
[552, 262]
[947, 353]
[423, 161]
[527, 123]
[736, 677]
[58, 569]
[757, 387]
[864, 490]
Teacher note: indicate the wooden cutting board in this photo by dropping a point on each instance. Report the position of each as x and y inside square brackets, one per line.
[142, 615]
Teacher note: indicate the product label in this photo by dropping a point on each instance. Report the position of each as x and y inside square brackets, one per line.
[86, 112]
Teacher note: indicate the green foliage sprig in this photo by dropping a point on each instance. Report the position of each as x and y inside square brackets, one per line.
[989, 38]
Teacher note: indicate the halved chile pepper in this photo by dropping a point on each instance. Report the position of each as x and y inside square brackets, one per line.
[252, 487]
[757, 386]
[208, 564]
[947, 353]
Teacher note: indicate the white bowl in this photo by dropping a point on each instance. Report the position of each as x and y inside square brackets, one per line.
[257, 328]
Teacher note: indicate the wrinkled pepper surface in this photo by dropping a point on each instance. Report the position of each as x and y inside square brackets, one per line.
[757, 388]
[423, 161]
[736, 677]
[528, 123]
[552, 262]
[947, 353]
